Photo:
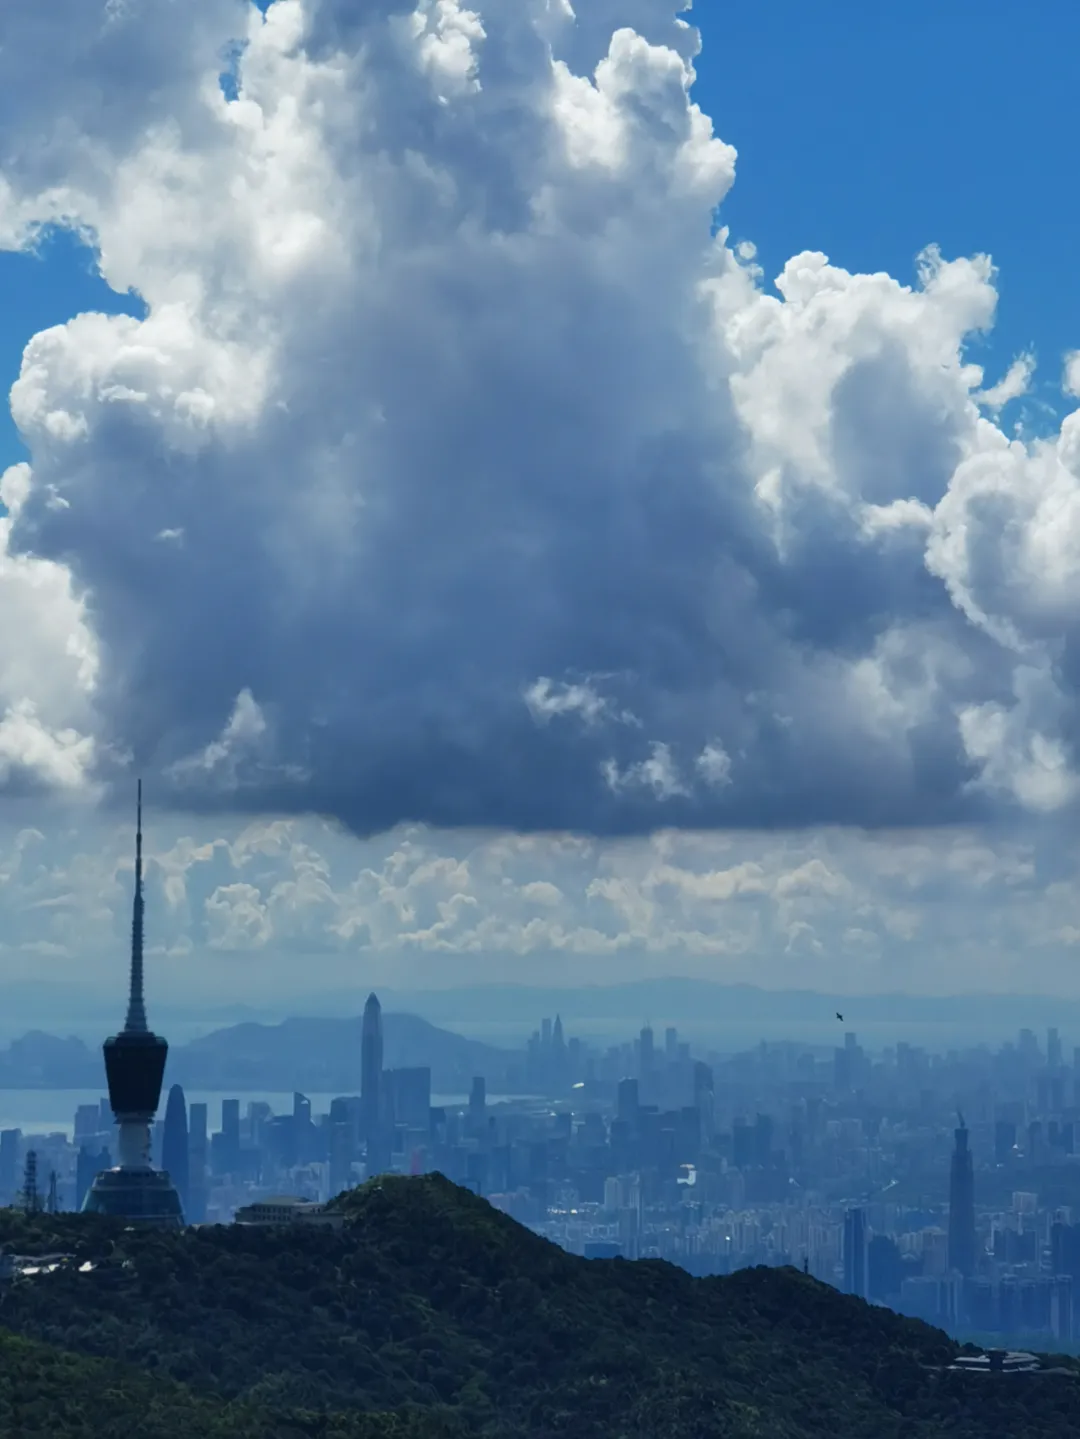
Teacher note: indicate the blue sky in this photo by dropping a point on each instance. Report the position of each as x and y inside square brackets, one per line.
[866, 131]
[870, 130]
[39, 290]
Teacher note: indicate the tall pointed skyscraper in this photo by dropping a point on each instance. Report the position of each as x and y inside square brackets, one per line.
[134, 1068]
[371, 1065]
[962, 1206]
[372, 1117]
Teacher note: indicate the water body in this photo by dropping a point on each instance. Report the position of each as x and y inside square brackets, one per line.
[52, 1111]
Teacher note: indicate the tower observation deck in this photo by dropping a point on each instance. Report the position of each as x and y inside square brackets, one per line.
[135, 1068]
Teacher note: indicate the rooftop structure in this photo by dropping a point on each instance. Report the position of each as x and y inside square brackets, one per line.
[287, 1209]
[997, 1361]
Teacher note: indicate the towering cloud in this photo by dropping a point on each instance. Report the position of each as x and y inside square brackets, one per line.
[461, 472]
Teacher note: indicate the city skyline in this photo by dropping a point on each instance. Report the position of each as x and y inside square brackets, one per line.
[852, 1165]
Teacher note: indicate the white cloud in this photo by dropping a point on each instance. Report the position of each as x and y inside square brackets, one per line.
[237, 918]
[445, 384]
[547, 700]
[714, 764]
[658, 774]
[1015, 382]
[242, 734]
[927, 910]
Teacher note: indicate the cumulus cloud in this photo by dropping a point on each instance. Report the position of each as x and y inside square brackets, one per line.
[461, 472]
[1014, 383]
[310, 909]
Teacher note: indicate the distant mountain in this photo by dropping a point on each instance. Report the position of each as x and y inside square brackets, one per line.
[430, 1314]
[737, 1015]
[313, 1055]
[41, 1061]
[469, 1030]
[323, 1055]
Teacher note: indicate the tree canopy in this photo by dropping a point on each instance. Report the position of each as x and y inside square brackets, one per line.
[430, 1315]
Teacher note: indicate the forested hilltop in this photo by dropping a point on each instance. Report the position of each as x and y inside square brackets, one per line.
[430, 1315]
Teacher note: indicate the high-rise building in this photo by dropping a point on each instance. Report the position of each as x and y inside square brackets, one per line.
[198, 1157]
[763, 1140]
[1004, 1140]
[1054, 1056]
[855, 1252]
[342, 1149]
[377, 1131]
[962, 1206]
[229, 1148]
[646, 1050]
[704, 1096]
[9, 1163]
[411, 1094]
[87, 1123]
[303, 1129]
[884, 1268]
[135, 1068]
[627, 1102]
[478, 1105]
[371, 1066]
[174, 1145]
[556, 1077]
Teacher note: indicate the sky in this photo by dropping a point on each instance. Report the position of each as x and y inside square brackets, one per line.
[630, 495]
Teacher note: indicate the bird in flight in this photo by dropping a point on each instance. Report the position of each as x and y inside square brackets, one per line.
[839, 1016]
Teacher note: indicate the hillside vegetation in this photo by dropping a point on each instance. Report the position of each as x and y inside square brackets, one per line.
[48, 1394]
[433, 1306]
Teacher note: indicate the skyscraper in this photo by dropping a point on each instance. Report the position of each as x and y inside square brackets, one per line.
[9, 1163]
[704, 1096]
[557, 1068]
[174, 1147]
[198, 1155]
[371, 1080]
[303, 1129]
[371, 1065]
[134, 1068]
[855, 1252]
[962, 1206]
[411, 1096]
[627, 1102]
[1053, 1049]
[646, 1051]
[229, 1146]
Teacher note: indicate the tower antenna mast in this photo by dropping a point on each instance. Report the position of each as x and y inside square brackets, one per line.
[136, 1013]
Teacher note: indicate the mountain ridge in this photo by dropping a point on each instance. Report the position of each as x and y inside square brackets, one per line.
[310, 1055]
[429, 1304]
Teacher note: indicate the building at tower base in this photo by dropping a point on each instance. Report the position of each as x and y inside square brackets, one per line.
[145, 1196]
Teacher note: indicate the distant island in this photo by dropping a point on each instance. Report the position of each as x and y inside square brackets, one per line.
[411, 1309]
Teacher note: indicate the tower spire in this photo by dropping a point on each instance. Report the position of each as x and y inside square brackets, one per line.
[136, 1012]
